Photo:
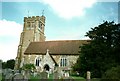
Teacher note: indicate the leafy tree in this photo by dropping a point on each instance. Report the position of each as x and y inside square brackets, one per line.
[0, 64]
[102, 52]
[10, 63]
[113, 73]
[3, 65]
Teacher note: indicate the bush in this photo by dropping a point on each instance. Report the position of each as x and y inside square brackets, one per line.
[113, 73]
[28, 67]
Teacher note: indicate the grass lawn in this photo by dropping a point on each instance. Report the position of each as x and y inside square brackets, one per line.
[78, 78]
[37, 78]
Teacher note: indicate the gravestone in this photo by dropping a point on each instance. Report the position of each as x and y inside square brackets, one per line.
[3, 71]
[27, 74]
[35, 74]
[39, 75]
[16, 71]
[23, 72]
[6, 71]
[44, 75]
[9, 70]
[88, 75]
[56, 75]
[9, 77]
[18, 76]
[67, 74]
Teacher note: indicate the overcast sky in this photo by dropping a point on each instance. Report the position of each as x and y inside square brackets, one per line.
[65, 20]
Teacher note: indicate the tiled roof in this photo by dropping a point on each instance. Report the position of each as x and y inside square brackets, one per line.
[55, 47]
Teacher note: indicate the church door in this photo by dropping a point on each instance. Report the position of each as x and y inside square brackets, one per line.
[46, 67]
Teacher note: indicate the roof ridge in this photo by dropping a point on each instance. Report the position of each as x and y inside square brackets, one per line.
[59, 41]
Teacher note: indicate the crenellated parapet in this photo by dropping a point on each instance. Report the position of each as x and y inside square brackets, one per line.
[35, 18]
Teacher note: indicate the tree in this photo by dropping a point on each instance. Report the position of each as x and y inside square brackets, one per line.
[113, 73]
[102, 52]
[3, 65]
[9, 64]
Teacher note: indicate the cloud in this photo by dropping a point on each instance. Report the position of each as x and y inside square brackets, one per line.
[69, 9]
[9, 39]
[69, 33]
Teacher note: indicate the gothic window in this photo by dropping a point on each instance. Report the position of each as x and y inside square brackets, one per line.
[28, 26]
[63, 62]
[37, 63]
[40, 26]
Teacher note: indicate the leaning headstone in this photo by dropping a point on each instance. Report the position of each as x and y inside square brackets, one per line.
[18, 76]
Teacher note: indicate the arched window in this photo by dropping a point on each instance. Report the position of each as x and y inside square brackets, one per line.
[63, 62]
[37, 63]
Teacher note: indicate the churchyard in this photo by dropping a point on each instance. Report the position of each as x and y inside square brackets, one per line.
[14, 75]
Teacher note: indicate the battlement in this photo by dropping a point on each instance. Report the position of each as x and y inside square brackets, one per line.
[34, 18]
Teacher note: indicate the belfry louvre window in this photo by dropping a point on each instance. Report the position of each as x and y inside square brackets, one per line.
[63, 62]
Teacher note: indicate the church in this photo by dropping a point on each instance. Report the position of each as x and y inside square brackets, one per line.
[33, 49]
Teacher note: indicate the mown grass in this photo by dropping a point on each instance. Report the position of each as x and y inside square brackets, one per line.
[77, 77]
[37, 78]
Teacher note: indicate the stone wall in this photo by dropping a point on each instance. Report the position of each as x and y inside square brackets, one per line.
[71, 59]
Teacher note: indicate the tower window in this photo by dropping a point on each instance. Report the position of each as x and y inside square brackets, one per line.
[33, 24]
[40, 25]
[28, 24]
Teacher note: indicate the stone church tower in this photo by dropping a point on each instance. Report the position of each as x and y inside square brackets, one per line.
[33, 31]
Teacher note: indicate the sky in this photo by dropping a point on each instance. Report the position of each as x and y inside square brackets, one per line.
[65, 19]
